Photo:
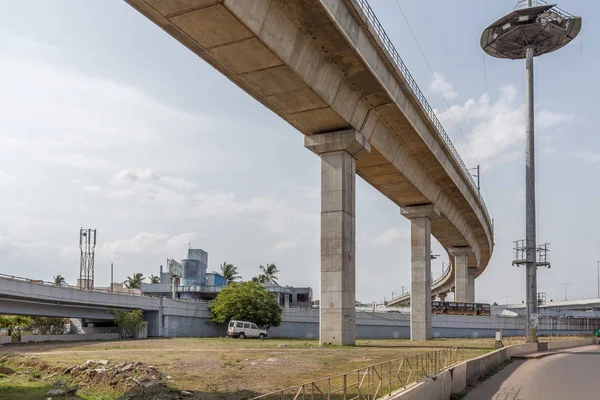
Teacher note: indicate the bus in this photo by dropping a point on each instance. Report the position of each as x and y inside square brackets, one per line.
[457, 308]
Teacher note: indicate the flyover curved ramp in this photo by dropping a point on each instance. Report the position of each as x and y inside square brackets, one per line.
[327, 65]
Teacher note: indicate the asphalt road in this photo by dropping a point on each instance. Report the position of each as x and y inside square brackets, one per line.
[571, 374]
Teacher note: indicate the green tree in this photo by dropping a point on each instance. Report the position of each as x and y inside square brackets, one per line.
[59, 280]
[229, 272]
[154, 279]
[135, 281]
[246, 301]
[7, 321]
[268, 274]
[129, 321]
[46, 325]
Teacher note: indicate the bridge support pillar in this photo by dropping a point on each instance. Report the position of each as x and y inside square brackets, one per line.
[420, 269]
[442, 296]
[461, 273]
[339, 152]
[471, 285]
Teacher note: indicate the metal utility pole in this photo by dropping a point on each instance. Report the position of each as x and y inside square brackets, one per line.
[566, 284]
[87, 247]
[599, 279]
[523, 34]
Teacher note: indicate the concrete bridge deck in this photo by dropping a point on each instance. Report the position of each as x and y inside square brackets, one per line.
[327, 67]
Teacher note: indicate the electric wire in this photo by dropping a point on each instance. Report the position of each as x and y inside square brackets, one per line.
[482, 188]
[435, 81]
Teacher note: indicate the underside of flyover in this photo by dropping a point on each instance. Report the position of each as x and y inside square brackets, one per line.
[324, 67]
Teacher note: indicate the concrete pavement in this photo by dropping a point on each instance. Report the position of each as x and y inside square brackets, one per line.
[571, 374]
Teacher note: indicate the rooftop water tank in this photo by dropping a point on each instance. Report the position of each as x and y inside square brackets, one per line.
[194, 272]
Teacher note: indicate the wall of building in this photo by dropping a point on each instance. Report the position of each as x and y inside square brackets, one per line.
[305, 292]
[304, 324]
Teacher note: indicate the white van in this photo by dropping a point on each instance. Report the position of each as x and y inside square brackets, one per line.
[245, 329]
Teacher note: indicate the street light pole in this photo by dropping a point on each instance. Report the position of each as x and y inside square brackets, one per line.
[566, 284]
[523, 34]
[599, 279]
[530, 243]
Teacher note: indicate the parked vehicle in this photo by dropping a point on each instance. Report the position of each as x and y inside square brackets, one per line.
[245, 329]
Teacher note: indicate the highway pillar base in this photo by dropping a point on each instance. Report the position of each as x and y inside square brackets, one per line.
[420, 269]
[338, 152]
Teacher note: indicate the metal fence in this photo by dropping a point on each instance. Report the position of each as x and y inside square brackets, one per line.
[374, 381]
[376, 27]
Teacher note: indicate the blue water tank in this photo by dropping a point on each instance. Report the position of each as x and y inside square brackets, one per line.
[194, 272]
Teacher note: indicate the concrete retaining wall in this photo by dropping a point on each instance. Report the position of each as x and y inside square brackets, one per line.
[69, 337]
[562, 344]
[458, 378]
[193, 320]
[5, 339]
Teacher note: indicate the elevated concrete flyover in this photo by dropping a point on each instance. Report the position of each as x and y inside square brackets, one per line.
[328, 68]
[19, 296]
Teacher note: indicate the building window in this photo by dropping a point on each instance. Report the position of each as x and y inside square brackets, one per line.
[302, 297]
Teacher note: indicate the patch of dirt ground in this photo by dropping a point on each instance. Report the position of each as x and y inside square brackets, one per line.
[220, 368]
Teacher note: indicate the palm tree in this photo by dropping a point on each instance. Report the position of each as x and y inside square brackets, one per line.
[154, 279]
[135, 281]
[229, 272]
[59, 280]
[268, 274]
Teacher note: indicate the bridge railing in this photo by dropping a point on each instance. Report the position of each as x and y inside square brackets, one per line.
[46, 283]
[375, 25]
[374, 381]
[435, 282]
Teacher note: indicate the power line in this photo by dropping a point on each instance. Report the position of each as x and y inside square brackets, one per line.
[435, 81]
[440, 90]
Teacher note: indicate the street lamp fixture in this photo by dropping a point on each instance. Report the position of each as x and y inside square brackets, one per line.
[523, 34]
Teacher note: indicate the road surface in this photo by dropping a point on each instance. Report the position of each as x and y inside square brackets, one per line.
[571, 374]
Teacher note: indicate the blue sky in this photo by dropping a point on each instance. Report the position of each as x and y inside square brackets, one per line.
[107, 122]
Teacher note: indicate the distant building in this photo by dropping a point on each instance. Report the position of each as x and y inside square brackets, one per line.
[189, 280]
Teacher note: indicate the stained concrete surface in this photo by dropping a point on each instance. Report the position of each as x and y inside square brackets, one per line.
[571, 374]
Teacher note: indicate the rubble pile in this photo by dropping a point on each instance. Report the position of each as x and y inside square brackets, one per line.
[123, 375]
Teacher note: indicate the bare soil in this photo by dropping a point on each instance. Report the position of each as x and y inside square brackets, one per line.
[219, 368]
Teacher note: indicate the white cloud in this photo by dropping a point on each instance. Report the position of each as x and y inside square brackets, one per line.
[586, 156]
[439, 83]
[284, 219]
[6, 178]
[78, 161]
[10, 39]
[61, 117]
[146, 243]
[392, 235]
[91, 189]
[497, 127]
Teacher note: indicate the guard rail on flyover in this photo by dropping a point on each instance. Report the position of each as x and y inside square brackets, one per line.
[328, 65]
[22, 296]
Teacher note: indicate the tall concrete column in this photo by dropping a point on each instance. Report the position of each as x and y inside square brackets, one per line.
[471, 285]
[338, 152]
[420, 269]
[461, 275]
[442, 296]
